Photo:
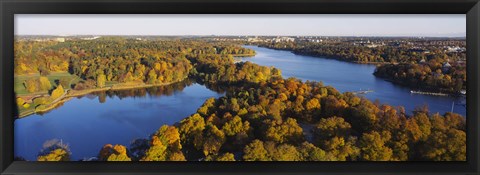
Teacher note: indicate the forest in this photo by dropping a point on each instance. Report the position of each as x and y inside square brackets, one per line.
[420, 69]
[431, 76]
[113, 60]
[104, 63]
[262, 117]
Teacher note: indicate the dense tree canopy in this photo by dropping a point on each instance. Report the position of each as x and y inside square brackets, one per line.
[115, 59]
[433, 77]
[261, 117]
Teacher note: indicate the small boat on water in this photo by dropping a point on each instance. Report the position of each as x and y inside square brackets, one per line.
[362, 92]
[428, 93]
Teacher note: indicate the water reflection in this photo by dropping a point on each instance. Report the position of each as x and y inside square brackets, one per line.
[88, 122]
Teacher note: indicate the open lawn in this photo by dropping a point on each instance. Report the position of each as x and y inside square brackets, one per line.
[20, 88]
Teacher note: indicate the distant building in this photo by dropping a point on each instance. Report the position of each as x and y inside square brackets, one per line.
[256, 39]
[446, 66]
[422, 61]
[283, 39]
[454, 49]
[371, 45]
[60, 40]
[92, 38]
[315, 40]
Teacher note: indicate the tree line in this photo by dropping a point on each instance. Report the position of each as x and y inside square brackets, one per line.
[346, 51]
[432, 76]
[421, 69]
[264, 117]
[113, 59]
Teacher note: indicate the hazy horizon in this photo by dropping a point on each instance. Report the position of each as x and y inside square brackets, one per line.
[373, 36]
[385, 25]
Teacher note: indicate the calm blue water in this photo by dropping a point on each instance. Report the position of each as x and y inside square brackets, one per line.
[119, 117]
[86, 124]
[346, 76]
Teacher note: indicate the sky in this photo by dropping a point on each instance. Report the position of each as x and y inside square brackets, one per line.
[436, 25]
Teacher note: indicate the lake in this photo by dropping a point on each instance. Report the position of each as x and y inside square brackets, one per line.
[346, 76]
[118, 117]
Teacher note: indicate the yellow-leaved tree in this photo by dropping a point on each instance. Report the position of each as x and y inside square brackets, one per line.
[101, 79]
[58, 92]
[54, 150]
[114, 153]
[45, 84]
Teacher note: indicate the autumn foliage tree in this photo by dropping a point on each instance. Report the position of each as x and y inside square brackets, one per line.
[165, 145]
[57, 92]
[114, 153]
[262, 116]
[54, 150]
[101, 80]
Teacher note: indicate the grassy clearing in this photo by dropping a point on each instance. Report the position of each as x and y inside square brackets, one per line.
[20, 88]
[43, 104]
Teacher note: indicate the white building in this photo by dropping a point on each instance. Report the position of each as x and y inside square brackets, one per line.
[92, 38]
[283, 39]
[60, 40]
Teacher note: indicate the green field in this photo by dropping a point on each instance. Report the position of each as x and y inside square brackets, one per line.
[19, 79]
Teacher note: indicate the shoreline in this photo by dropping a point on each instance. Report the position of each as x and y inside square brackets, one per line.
[338, 59]
[424, 91]
[421, 91]
[327, 57]
[243, 55]
[76, 93]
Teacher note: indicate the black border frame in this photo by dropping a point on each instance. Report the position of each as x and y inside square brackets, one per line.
[10, 7]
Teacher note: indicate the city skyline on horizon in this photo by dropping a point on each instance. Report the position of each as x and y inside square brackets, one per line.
[243, 25]
[372, 36]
